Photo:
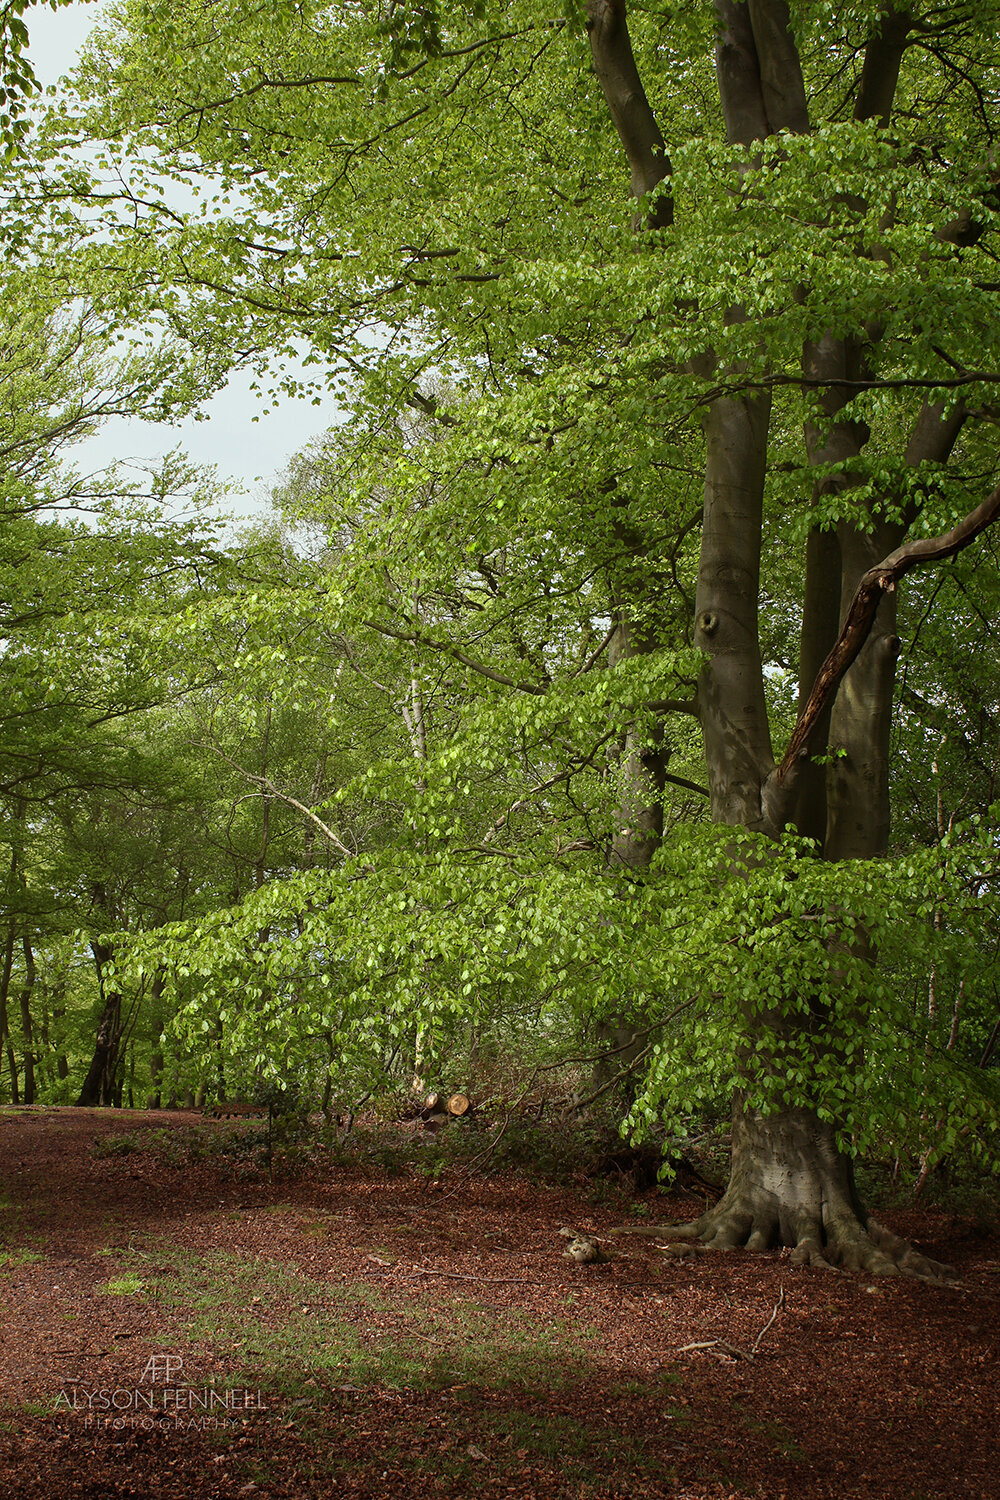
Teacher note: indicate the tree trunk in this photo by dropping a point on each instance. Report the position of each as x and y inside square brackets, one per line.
[100, 1085]
[5, 1039]
[27, 1030]
[791, 1185]
[155, 1097]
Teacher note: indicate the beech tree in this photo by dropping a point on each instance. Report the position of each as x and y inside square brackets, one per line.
[712, 294]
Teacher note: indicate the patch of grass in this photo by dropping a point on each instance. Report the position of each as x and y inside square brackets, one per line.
[9, 1210]
[781, 1441]
[583, 1450]
[172, 1148]
[307, 1340]
[655, 1385]
[37, 1408]
[595, 1458]
[17, 1245]
[179, 1146]
[123, 1286]
[122, 1144]
[22, 1256]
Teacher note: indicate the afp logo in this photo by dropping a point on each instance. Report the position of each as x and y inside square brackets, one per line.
[161, 1367]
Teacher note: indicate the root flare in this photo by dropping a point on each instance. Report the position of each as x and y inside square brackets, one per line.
[848, 1244]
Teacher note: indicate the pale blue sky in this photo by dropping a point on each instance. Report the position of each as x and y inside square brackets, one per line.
[250, 453]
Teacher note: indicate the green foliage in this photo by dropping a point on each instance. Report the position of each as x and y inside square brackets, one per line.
[17, 76]
[373, 797]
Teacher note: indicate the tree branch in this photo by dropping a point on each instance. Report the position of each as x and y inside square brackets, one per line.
[578, 765]
[414, 639]
[878, 581]
[687, 786]
[615, 67]
[269, 790]
[880, 70]
[780, 70]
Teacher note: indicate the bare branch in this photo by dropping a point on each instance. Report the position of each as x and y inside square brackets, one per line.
[268, 789]
[416, 639]
[688, 786]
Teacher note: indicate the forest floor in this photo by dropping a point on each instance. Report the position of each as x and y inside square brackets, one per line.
[178, 1324]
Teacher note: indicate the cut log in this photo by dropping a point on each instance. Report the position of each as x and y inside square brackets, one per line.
[458, 1104]
[432, 1102]
[234, 1109]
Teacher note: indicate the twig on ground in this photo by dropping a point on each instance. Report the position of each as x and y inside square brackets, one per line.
[733, 1349]
[716, 1344]
[457, 1276]
[776, 1309]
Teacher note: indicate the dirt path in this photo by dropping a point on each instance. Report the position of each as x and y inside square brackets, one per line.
[182, 1327]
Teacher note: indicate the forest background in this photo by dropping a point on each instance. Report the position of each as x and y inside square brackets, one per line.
[548, 727]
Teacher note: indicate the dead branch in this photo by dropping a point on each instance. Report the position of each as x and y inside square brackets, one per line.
[723, 1344]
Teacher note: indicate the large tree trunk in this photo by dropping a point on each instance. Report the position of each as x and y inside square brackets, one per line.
[791, 1185]
[27, 1029]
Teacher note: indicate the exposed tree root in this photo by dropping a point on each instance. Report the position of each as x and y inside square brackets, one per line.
[830, 1241]
[792, 1186]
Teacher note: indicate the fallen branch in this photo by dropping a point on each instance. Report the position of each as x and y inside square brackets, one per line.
[716, 1344]
[734, 1349]
[457, 1276]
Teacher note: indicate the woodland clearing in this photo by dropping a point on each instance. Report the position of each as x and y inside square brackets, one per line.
[399, 1336]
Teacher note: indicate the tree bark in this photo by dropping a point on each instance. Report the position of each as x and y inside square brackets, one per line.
[791, 1185]
[731, 705]
[5, 1038]
[643, 768]
[156, 1019]
[100, 1086]
[614, 65]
